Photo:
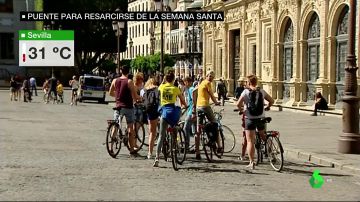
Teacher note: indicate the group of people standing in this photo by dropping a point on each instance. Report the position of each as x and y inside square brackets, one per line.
[162, 104]
[51, 87]
[28, 86]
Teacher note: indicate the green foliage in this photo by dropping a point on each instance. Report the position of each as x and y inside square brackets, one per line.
[95, 41]
[108, 65]
[167, 68]
[39, 7]
[151, 62]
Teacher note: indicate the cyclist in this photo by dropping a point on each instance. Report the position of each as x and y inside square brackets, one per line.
[202, 94]
[169, 113]
[74, 83]
[124, 91]
[53, 84]
[253, 97]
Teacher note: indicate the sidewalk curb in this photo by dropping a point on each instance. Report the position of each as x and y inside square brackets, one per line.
[314, 158]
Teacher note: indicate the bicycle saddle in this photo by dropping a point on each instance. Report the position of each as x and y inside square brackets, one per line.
[266, 119]
[116, 108]
[201, 114]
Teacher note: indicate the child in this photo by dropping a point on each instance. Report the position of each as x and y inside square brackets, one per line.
[60, 91]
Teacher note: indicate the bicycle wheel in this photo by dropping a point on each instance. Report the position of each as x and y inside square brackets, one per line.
[180, 142]
[174, 150]
[166, 147]
[218, 149]
[140, 135]
[113, 140]
[207, 147]
[229, 139]
[275, 153]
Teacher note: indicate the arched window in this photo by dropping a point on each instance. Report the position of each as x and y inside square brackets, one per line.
[288, 51]
[313, 48]
[341, 52]
[341, 46]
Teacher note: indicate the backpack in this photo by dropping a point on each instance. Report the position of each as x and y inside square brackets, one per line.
[255, 106]
[151, 100]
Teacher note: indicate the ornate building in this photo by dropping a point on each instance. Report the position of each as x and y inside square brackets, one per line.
[182, 39]
[295, 47]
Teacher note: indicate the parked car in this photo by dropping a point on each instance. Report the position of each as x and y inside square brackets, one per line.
[92, 88]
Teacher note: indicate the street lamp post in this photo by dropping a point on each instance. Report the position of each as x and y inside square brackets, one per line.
[349, 141]
[117, 27]
[159, 5]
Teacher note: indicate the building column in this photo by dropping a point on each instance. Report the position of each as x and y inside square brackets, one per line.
[302, 68]
[242, 55]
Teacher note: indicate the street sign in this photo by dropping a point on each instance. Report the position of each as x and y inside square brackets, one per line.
[46, 48]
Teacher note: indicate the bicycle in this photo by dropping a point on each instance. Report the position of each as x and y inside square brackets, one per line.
[228, 134]
[210, 147]
[176, 137]
[48, 97]
[116, 135]
[267, 148]
[74, 98]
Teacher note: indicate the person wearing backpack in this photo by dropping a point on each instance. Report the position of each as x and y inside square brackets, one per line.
[253, 97]
[151, 102]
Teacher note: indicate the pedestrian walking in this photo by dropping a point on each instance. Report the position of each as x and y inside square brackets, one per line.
[33, 86]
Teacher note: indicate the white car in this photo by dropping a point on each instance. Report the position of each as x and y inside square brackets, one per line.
[92, 88]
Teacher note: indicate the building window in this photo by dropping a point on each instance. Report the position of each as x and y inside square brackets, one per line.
[146, 6]
[147, 28]
[288, 51]
[313, 48]
[143, 49]
[147, 49]
[254, 59]
[135, 34]
[139, 30]
[143, 30]
[7, 46]
[6, 6]
[341, 39]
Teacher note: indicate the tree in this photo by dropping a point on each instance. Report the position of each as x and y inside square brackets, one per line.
[95, 41]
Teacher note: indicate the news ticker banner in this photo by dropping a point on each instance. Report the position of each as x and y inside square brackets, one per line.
[124, 16]
[46, 48]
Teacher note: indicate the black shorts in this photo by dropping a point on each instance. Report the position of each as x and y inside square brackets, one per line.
[74, 90]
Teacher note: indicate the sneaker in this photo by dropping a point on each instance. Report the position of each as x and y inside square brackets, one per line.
[71, 104]
[313, 114]
[241, 158]
[156, 163]
[251, 166]
[198, 157]
[149, 156]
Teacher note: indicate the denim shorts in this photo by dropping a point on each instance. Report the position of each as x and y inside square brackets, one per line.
[128, 113]
[252, 124]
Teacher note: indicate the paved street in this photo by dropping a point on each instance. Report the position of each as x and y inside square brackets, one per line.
[57, 152]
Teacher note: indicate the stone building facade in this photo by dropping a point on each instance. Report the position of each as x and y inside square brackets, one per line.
[295, 47]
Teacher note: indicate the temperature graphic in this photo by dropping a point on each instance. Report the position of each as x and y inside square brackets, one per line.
[46, 48]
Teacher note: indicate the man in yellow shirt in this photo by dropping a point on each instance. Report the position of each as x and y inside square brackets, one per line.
[202, 94]
[170, 114]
